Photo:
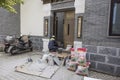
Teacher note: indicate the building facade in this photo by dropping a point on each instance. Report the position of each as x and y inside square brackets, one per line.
[93, 24]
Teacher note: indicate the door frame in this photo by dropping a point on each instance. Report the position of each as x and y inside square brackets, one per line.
[54, 27]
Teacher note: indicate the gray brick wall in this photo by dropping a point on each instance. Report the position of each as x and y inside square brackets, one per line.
[2, 39]
[93, 65]
[91, 48]
[119, 52]
[99, 58]
[113, 60]
[37, 42]
[95, 24]
[105, 68]
[10, 22]
[117, 71]
[108, 51]
[102, 52]
[104, 59]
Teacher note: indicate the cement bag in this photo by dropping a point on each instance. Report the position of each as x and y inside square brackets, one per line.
[45, 58]
[74, 55]
[25, 38]
[81, 56]
[72, 66]
[82, 70]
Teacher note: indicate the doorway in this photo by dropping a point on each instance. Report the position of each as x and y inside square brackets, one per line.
[63, 27]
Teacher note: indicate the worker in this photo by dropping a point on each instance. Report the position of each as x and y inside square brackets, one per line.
[52, 45]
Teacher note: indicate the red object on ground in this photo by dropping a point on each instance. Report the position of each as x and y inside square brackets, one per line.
[72, 49]
[82, 49]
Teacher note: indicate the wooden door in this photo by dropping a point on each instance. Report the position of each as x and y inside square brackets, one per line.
[69, 28]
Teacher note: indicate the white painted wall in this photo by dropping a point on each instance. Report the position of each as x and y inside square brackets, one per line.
[79, 6]
[32, 17]
[47, 9]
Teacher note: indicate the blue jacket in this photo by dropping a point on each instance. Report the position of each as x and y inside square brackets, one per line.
[52, 45]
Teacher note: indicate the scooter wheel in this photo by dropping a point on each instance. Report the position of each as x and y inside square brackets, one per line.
[13, 51]
[31, 49]
[5, 50]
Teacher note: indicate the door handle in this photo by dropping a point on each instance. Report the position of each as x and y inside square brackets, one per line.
[68, 29]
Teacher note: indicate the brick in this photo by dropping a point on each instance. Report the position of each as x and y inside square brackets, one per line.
[36, 39]
[91, 49]
[99, 58]
[37, 42]
[117, 71]
[114, 60]
[93, 65]
[105, 68]
[40, 40]
[87, 56]
[119, 52]
[108, 51]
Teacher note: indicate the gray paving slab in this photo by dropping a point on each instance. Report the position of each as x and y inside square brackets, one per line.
[8, 63]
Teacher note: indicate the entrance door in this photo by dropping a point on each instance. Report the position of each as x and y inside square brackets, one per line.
[68, 28]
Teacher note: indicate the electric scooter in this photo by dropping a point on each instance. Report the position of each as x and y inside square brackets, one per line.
[21, 46]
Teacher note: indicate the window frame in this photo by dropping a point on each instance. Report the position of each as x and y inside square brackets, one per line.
[79, 26]
[110, 34]
[45, 27]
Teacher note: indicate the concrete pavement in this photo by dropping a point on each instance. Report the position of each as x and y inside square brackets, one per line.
[8, 63]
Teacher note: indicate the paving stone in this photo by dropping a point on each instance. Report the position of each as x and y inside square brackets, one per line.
[102, 76]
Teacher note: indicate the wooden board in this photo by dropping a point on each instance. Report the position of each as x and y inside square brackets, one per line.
[63, 55]
[43, 70]
[23, 70]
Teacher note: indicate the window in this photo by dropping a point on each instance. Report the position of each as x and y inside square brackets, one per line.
[79, 26]
[46, 27]
[114, 27]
